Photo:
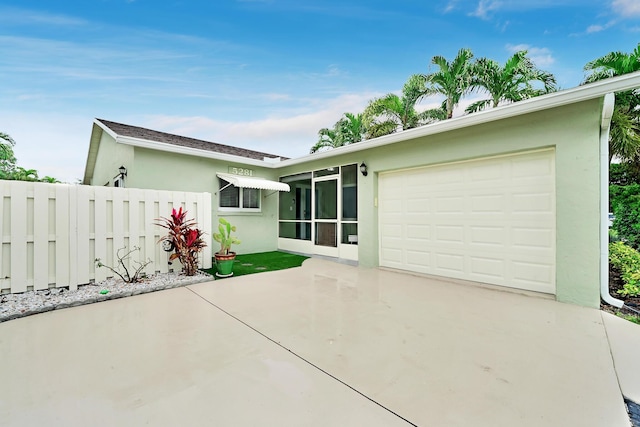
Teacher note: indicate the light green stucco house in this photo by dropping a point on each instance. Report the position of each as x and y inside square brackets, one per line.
[516, 196]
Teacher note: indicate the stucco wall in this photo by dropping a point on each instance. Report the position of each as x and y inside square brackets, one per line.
[110, 157]
[178, 172]
[574, 133]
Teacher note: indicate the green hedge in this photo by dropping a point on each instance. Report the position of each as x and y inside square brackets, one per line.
[625, 205]
[626, 260]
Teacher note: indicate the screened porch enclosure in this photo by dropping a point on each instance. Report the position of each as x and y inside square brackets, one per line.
[320, 213]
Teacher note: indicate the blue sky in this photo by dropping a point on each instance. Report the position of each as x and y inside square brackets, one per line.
[260, 74]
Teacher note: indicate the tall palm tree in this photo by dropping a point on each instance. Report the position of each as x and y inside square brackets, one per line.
[348, 130]
[624, 139]
[391, 112]
[511, 82]
[452, 79]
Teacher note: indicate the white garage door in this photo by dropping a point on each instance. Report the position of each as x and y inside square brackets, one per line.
[489, 220]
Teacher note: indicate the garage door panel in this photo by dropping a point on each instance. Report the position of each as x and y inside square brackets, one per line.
[493, 203]
[524, 237]
[487, 235]
[448, 176]
[483, 268]
[449, 234]
[533, 168]
[488, 220]
[419, 205]
[486, 172]
[449, 263]
[393, 257]
[528, 273]
[450, 205]
[418, 232]
[532, 202]
[420, 259]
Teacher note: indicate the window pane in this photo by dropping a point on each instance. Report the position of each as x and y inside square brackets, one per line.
[350, 175]
[326, 199]
[350, 234]
[250, 198]
[325, 172]
[350, 193]
[326, 234]
[296, 204]
[295, 230]
[230, 196]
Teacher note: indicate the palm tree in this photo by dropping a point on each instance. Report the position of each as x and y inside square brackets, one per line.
[348, 130]
[624, 138]
[327, 138]
[613, 64]
[22, 174]
[7, 158]
[351, 128]
[510, 83]
[49, 179]
[6, 147]
[453, 79]
[391, 112]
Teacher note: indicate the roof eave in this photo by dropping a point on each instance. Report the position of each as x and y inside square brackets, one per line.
[92, 155]
[178, 149]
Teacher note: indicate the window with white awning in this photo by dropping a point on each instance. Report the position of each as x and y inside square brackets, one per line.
[242, 193]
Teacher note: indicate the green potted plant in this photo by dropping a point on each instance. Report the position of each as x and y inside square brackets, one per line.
[224, 257]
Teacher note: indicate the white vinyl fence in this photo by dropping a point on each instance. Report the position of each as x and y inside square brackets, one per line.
[52, 233]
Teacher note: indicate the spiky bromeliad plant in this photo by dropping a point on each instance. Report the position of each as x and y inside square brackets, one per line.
[186, 239]
[224, 237]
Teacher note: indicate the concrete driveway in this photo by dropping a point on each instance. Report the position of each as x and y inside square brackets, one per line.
[321, 345]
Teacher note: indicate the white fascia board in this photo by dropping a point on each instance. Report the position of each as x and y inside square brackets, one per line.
[106, 129]
[92, 154]
[543, 102]
[170, 148]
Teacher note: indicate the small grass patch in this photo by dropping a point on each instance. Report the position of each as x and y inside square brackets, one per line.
[630, 318]
[261, 262]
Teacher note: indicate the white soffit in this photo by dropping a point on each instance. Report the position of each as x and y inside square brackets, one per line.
[253, 182]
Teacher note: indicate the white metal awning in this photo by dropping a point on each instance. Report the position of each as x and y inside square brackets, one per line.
[253, 182]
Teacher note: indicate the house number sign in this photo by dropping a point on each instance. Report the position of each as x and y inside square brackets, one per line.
[240, 171]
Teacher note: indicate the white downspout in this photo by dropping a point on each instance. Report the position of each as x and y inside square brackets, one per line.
[605, 126]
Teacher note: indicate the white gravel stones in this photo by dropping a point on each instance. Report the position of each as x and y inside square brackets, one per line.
[13, 306]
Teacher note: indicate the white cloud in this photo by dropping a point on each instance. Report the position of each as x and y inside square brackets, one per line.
[626, 8]
[485, 7]
[289, 136]
[450, 6]
[594, 29]
[541, 56]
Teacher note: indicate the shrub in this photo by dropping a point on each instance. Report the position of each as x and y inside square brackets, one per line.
[121, 268]
[625, 205]
[186, 240]
[613, 236]
[626, 260]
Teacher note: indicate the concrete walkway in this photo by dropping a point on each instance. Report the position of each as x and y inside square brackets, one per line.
[322, 345]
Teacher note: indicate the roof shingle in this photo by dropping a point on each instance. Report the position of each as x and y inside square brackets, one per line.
[183, 141]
